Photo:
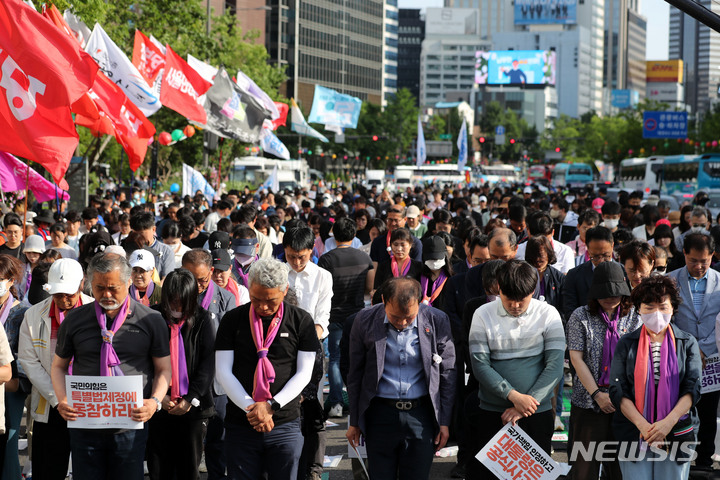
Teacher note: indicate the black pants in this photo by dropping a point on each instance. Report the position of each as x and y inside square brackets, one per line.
[486, 424]
[313, 430]
[51, 448]
[175, 445]
[215, 441]
[589, 426]
[707, 413]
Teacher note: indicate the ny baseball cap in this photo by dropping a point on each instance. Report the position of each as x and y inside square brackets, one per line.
[143, 259]
[219, 240]
[65, 276]
[221, 259]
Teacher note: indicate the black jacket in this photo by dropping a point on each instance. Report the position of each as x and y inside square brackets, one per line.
[622, 376]
[554, 281]
[199, 342]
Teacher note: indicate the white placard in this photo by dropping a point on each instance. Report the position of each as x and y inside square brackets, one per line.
[711, 375]
[513, 454]
[104, 402]
[360, 450]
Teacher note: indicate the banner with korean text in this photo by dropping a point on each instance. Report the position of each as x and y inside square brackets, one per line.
[104, 402]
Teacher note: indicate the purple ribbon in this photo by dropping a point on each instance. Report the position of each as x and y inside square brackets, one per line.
[6, 308]
[148, 293]
[243, 277]
[609, 344]
[180, 382]
[109, 361]
[209, 292]
[424, 281]
[668, 387]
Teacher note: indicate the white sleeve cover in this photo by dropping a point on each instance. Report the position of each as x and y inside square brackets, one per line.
[223, 373]
[303, 375]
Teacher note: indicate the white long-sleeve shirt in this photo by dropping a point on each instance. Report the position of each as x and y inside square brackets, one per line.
[313, 289]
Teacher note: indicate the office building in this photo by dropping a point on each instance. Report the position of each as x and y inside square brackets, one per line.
[340, 44]
[698, 46]
[411, 33]
[390, 51]
[625, 46]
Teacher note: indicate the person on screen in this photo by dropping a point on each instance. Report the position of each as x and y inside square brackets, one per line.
[516, 75]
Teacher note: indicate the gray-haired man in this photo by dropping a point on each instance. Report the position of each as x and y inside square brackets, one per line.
[262, 424]
[140, 339]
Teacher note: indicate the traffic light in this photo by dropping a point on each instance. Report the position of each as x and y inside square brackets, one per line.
[482, 140]
[557, 149]
[375, 138]
[512, 141]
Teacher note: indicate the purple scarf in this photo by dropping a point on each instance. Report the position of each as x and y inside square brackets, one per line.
[668, 389]
[242, 276]
[6, 308]
[209, 292]
[611, 340]
[437, 287]
[180, 382]
[109, 361]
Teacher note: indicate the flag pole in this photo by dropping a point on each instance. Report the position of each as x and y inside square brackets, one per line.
[220, 165]
[27, 189]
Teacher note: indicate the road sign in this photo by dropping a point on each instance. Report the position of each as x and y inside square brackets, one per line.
[500, 130]
[445, 136]
[500, 135]
[665, 125]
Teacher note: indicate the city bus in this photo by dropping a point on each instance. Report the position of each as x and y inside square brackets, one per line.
[690, 173]
[642, 174]
[255, 170]
[572, 175]
[499, 173]
[441, 175]
[539, 174]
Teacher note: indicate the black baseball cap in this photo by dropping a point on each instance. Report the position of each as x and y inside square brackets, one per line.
[219, 240]
[221, 259]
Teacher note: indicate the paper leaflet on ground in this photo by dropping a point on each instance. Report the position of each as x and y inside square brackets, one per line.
[512, 452]
[104, 402]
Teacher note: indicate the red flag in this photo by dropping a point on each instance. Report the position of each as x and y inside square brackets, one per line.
[182, 86]
[282, 119]
[42, 72]
[147, 57]
[115, 114]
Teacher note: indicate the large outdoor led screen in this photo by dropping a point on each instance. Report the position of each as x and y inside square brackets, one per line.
[534, 12]
[515, 67]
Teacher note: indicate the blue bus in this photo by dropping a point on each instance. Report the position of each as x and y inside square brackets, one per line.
[572, 174]
[690, 173]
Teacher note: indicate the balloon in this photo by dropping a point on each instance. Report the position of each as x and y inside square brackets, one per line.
[714, 143]
[707, 144]
[174, 188]
[189, 131]
[630, 152]
[177, 135]
[654, 148]
[164, 138]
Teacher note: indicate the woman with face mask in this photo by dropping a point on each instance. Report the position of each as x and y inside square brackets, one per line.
[435, 272]
[540, 254]
[593, 332]
[171, 236]
[654, 385]
[175, 441]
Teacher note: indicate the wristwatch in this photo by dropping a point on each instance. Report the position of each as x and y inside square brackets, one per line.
[274, 405]
[159, 405]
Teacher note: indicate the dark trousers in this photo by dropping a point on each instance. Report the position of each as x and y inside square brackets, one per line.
[400, 443]
[486, 424]
[459, 426]
[314, 434]
[175, 445]
[249, 453]
[51, 448]
[215, 440]
[590, 426]
[707, 413]
[107, 454]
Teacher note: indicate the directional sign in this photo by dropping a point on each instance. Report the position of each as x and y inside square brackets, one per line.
[500, 130]
[445, 136]
[664, 124]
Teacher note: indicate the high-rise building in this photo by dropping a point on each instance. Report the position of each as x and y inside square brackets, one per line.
[338, 44]
[411, 33]
[625, 31]
[251, 14]
[390, 51]
[698, 46]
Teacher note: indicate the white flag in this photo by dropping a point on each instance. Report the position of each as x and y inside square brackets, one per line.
[421, 152]
[118, 67]
[194, 181]
[272, 144]
[272, 182]
[78, 27]
[299, 125]
[462, 147]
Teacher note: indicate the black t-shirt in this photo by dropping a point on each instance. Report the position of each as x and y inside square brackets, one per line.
[379, 253]
[199, 241]
[13, 252]
[142, 336]
[384, 272]
[296, 333]
[349, 268]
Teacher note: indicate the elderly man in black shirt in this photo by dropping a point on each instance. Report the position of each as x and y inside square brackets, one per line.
[265, 352]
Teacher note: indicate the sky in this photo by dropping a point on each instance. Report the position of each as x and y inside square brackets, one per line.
[657, 13]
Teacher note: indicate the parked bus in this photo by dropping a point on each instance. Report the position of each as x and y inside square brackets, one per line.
[442, 174]
[539, 174]
[690, 173]
[558, 175]
[642, 174]
[572, 175]
[499, 173]
[255, 170]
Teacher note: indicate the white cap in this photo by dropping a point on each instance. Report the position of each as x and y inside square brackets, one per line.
[482, 198]
[527, 189]
[34, 244]
[64, 276]
[116, 249]
[143, 259]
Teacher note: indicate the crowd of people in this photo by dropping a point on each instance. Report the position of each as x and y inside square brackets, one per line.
[437, 314]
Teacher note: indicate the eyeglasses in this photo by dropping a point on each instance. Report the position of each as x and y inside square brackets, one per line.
[600, 258]
[202, 283]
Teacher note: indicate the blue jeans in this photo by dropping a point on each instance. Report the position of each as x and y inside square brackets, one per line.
[14, 404]
[105, 454]
[664, 470]
[336, 382]
[249, 454]
[400, 444]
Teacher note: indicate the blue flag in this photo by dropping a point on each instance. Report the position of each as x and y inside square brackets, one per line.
[462, 147]
[421, 151]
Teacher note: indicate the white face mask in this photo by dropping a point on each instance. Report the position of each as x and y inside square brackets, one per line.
[696, 229]
[554, 213]
[493, 215]
[3, 288]
[243, 259]
[175, 314]
[612, 223]
[435, 264]
[656, 321]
